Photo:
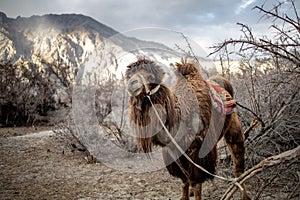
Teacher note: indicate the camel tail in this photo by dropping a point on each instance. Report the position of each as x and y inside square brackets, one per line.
[224, 83]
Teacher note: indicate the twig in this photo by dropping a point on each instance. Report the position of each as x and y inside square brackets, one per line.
[248, 109]
[266, 163]
[256, 45]
[294, 190]
[251, 127]
[191, 52]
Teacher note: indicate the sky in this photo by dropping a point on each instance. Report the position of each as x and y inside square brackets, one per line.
[206, 22]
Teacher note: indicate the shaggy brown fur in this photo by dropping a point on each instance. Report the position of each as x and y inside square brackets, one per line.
[187, 102]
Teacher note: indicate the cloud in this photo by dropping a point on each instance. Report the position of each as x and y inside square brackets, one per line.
[131, 13]
[208, 20]
[244, 5]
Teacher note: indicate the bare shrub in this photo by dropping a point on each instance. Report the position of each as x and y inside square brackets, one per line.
[28, 92]
[100, 90]
[267, 85]
[66, 130]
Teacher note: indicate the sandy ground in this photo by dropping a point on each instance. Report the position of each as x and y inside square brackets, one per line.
[35, 164]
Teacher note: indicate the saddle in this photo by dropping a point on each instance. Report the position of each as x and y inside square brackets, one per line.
[222, 101]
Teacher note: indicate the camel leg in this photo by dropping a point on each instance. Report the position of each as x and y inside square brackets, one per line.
[191, 192]
[197, 187]
[185, 191]
[234, 138]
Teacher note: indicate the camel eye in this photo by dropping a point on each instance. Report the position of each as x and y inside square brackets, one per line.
[151, 78]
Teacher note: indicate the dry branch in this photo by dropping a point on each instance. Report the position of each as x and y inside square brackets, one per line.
[251, 127]
[266, 163]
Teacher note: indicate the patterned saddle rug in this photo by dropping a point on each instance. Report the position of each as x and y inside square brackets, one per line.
[222, 101]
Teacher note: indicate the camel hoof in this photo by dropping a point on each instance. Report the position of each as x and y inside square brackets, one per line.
[191, 192]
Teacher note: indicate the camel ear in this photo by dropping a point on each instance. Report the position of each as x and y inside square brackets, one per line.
[176, 66]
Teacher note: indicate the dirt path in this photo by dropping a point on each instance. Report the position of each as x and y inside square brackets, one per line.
[32, 166]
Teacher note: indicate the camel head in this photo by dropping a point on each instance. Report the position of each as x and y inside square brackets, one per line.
[143, 77]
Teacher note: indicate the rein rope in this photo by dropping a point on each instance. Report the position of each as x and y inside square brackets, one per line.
[233, 180]
[148, 92]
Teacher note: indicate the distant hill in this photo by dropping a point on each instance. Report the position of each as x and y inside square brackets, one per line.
[50, 35]
[70, 38]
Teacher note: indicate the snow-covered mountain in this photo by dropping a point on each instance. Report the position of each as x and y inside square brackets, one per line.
[72, 39]
[66, 36]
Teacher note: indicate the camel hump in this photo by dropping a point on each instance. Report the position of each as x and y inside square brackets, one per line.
[187, 67]
[223, 82]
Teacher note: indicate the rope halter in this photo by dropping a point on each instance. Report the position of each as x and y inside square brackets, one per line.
[148, 91]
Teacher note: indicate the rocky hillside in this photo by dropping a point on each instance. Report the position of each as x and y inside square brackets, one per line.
[41, 56]
[71, 38]
[68, 36]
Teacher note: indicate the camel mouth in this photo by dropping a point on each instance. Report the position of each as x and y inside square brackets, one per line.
[135, 90]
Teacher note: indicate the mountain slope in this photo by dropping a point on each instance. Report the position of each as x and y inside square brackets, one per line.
[66, 36]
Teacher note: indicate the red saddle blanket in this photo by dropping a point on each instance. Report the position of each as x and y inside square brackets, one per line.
[222, 101]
